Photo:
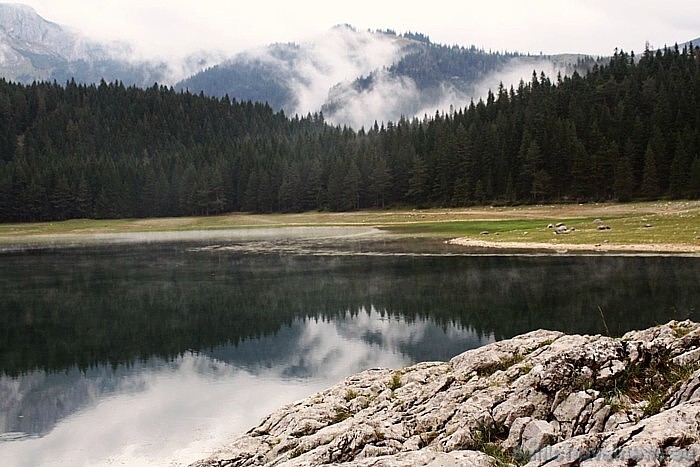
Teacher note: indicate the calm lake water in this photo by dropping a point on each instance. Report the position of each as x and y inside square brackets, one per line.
[158, 353]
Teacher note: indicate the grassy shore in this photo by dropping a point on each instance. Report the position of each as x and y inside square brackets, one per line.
[653, 225]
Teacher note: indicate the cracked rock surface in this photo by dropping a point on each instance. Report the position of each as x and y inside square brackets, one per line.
[539, 399]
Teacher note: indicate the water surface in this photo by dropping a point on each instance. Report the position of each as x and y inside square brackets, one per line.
[158, 353]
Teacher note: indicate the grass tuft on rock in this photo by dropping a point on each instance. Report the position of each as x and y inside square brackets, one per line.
[488, 438]
[502, 365]
[395, 382]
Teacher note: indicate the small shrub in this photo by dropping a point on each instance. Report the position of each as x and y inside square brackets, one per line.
[686, 441]
[542, 344]
[614, 399]
[654, 404]
[350, 395]
[679, 331]
[429, 437]
[395, 381]
[652, 382]
[341, 414]
[487, 439]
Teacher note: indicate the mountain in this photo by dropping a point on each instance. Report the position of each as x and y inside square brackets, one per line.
[695, 43]
[298, 77]
[357, 77]
[354, 77]
[34, 49]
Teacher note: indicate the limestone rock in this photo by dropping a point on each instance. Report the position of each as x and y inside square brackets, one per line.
[564, 399]
[536, 435]
[672, 435]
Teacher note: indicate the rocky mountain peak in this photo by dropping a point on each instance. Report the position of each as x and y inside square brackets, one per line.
[24, 28]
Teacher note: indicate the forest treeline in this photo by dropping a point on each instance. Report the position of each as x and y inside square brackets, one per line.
[629, 129]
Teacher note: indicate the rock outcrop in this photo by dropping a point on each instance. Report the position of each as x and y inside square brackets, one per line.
[543, 398]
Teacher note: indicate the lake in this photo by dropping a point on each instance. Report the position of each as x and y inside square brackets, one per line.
[147, 352]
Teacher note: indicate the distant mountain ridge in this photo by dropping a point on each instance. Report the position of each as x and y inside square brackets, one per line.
[34, 49]
[353, 77]
[694, 42]
[356, 77]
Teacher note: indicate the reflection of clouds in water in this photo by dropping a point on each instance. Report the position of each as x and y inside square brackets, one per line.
[182, 413]
[326, 349]
[418, 339]
[175, 413]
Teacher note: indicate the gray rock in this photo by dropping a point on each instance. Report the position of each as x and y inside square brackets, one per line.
[515, 435]
[566, 399]
[428, 459]
[537, 434]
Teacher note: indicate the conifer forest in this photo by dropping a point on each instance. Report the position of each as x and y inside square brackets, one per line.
[627, 130]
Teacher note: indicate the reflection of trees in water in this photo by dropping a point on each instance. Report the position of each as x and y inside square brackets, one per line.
[82, 308]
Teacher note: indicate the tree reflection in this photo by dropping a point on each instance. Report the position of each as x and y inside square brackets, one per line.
[80, 308]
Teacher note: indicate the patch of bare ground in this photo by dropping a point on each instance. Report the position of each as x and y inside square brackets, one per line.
[565, 247]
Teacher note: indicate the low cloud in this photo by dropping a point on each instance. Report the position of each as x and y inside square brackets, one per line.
[389, 97]
[337, 56]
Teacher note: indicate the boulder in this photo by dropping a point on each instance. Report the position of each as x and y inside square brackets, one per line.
[560, 399]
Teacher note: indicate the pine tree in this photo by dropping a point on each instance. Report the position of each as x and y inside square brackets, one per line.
[337, 200]
[379, 182]
[62, 199]
[290, 190]
[624, 181]
[479, 192]
[650, 180]
[418, 183]
[679, 178]
[580, 173]
[250, 199]
[352, 186]
[695, 178]
[312, 189]
[83, 203]
[541, 185]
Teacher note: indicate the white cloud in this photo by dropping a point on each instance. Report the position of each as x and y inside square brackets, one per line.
[178, 27]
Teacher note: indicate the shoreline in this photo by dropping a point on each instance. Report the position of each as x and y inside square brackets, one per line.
[68, 240]
[562, 248]
[659, 228]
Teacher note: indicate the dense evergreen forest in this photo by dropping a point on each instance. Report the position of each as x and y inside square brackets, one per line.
[629, 129]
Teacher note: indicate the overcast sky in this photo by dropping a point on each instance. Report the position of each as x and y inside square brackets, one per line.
[178, 27]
